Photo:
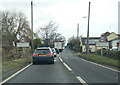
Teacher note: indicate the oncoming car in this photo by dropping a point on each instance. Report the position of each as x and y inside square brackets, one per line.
[43, 54]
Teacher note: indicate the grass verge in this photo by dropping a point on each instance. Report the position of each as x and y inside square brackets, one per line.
[10, 67]
[100, 59]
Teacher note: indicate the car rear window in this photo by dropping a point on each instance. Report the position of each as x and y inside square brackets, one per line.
[42, 51]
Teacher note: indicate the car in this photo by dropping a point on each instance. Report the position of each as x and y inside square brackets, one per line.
[57, 51]
[114, 48]
[43, 54]
[54, 52]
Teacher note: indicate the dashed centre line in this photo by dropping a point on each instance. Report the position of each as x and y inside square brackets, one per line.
[67, 67]
[77, 77]
[65, 64]
[81, 80]
[61, 59]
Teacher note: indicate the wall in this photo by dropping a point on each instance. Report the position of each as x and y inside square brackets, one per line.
[94, 48]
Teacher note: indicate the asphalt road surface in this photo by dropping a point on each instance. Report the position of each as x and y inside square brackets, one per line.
[68, 68]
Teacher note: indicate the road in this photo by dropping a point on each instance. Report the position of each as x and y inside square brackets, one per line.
[68, 68]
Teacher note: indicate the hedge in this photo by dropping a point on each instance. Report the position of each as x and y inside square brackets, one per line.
[110, 54]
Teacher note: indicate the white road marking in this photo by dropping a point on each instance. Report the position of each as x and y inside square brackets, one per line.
[81, 80]
[61, 59]
[65, 64]
[55, 60]
[78, 77]
[100, 65]
[15, 74]
[67, 67]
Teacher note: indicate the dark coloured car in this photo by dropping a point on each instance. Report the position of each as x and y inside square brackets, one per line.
[43, 54]
[57, 51]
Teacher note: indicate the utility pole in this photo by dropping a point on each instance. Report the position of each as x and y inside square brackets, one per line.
[87, 47]
[78, 37]
[32, 22]
[77, 30]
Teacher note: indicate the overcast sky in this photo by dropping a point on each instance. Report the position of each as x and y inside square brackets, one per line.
[67, 13]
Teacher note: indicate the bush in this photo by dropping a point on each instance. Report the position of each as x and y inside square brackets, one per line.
[15, 54]
[110, 54]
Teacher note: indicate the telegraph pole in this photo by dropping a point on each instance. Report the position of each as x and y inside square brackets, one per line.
[77, 30]
[32, 22]
[78, 37]
[87, 47]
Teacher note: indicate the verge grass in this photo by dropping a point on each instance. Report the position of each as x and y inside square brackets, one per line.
[100, 59]
[11, 65]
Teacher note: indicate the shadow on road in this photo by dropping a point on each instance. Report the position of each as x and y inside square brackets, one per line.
[43, 63]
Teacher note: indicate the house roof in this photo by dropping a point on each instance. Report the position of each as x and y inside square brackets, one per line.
[112, 36]
[105, 34]
[118, 38]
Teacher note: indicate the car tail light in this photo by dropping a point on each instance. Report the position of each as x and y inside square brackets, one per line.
[49, 54]
[35, 54]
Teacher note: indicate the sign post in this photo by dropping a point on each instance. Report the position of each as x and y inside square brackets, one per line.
[23, 44]
[102, 44]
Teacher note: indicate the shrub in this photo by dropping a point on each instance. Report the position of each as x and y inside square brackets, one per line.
[15, 54]
[110, 54]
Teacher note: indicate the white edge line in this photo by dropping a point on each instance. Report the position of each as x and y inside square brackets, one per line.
[101, 65]
[15, 74]
[67, 67]
[81, 80]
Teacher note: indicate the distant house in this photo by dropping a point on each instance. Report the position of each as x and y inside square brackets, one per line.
[103, 37]
[115, 43]
[92, 43]
[112, 38]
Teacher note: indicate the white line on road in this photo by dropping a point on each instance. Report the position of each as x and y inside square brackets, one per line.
[55, 60]
[15, 74]
[61, 59]
[65, 64]
[67, 67]
[81, 80]
[100, 65]
[78, 77]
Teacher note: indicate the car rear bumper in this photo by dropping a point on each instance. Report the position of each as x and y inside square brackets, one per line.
[43, 58]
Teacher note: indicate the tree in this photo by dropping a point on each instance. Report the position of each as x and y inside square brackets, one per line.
[14, 25]
[49, 35]
[59, 37]
[74, 43]
[56, 37]
[37, 43]
[47, 31]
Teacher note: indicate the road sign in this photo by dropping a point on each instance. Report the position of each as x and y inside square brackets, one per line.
[22, 39]
[25, 44]
[102, 44]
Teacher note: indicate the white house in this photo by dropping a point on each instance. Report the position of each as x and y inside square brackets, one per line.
[115, 43]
